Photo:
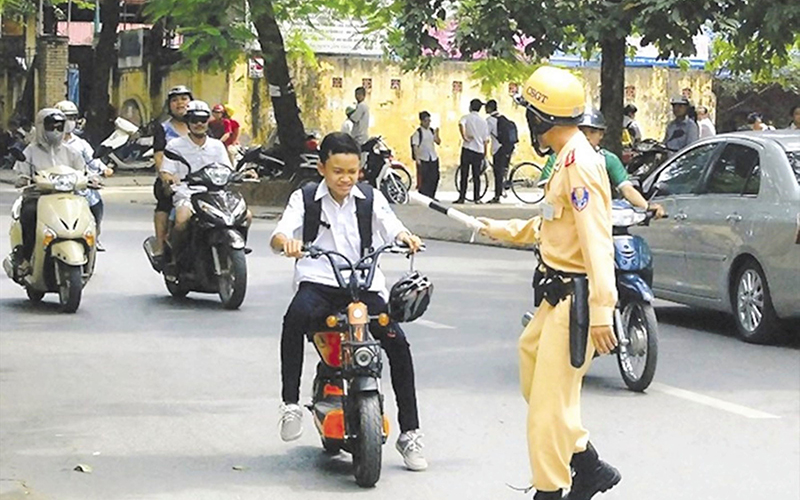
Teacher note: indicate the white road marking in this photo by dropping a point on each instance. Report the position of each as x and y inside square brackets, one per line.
[433, 324]
[712, 402]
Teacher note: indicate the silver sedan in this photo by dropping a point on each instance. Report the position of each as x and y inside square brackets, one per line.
[731, 240]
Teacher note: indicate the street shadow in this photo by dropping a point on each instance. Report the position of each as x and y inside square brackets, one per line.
[192, 302]
[23, 305]
[720, 323]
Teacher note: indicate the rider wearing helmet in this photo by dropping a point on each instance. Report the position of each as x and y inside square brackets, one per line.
[173, 127]
[681, 131]
[93, 165]
[46, 151]
[577, 260]
[199, 150]
[593, 126]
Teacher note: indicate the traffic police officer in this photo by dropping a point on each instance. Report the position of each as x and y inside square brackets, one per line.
[574, 237]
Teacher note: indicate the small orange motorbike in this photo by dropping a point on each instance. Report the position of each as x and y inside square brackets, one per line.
[347, 404]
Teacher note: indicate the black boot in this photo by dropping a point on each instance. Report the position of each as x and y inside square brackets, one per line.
[547, 495]
[592, 475]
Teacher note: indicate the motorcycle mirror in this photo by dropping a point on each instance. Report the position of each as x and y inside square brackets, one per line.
[659, 188]
[172, 155]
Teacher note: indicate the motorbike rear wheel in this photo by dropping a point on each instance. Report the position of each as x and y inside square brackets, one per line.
[637, 354]
[369, 440]
[70, 287]
[233, 278]
[393, 189]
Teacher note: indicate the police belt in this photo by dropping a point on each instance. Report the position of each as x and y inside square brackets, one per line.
[554, 286]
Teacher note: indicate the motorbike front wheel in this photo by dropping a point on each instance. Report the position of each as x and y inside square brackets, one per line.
[637, 355]
[394, 190]
[369, 440]
[232, 278]
[70, 287]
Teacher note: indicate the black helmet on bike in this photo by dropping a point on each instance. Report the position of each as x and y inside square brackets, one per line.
[593, 118]
[409, 297]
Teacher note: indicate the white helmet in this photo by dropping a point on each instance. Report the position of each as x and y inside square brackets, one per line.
[69, 109]
[198, 108]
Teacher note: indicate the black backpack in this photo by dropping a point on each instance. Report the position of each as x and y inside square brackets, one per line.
[312, 216]
[507, 133]
[411, 142]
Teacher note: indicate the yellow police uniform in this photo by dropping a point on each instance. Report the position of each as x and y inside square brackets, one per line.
[574, 234]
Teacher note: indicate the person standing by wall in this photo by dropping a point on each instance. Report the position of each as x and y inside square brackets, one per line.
[474, 141]
[704, 123]
[423, 148]
[681, 131]
[232, 142]
[360, 118]
[630, 126]
[504, 137]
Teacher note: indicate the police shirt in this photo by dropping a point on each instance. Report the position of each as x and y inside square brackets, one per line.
[342, 235]
[617, 174]
[574, 230]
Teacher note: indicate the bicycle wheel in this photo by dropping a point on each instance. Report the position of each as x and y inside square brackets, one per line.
[525, 182]
[470, 194]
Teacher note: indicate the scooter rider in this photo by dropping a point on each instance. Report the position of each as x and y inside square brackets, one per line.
[93, 165]
[47, 151]
[175, 126]
[199, 150]
[318, 294]
[577, 254]
[593, 126]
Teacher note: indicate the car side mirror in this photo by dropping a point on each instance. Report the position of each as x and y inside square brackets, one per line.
[659, 189]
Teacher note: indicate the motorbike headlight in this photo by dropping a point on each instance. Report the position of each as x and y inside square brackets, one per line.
[218, 176]
[363, 356]
[64, 182]
[216, 212]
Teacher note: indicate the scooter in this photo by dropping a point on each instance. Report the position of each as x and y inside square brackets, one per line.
[347, 405]
[63, 257]
[381, 171]
[644, 157]
[125, 148]
[635, 324]
[214, 258]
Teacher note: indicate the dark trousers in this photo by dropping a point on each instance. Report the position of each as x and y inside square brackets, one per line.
[429, 177]
[470, 160]
[500, 162]
[97, 211]
[27, 219]
[311, 304]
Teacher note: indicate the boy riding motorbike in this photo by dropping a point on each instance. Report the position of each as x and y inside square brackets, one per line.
[48, 150]
[336, 201]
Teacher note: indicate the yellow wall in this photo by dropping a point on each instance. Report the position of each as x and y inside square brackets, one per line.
[394, 113]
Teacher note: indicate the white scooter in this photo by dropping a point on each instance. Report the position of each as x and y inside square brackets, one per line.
[125, 148]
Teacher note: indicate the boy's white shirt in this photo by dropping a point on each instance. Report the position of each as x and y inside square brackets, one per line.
[342, 236]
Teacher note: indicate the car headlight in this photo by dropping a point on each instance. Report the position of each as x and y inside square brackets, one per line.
[218, 176]
[64, 182]
[363, 356]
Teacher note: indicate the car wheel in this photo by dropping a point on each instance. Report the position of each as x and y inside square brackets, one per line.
[755, 317]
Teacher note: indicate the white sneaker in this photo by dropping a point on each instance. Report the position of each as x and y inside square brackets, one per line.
[291, 422]
[409, 444]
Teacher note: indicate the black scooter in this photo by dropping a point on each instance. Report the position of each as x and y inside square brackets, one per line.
[214, 258]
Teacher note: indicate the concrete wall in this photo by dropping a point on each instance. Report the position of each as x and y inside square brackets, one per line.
[395, 98]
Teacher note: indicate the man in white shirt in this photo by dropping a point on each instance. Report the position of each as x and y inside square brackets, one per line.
[318, 294]
[423, 145]
[475, 138]
[360, 118]
[704, 123]
[199, 150]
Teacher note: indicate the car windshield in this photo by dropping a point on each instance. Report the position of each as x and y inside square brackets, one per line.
[794, 162]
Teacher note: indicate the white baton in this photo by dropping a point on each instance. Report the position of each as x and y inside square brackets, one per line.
[454, 214]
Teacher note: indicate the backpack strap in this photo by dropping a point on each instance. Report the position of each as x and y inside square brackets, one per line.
[364, 217]
[312, 215]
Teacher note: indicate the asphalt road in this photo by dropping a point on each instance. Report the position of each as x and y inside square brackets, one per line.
[178, 399]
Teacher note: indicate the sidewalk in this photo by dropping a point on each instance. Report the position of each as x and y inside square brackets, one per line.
[423, 221]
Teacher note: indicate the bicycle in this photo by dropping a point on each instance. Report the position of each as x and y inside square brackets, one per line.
[523, 181]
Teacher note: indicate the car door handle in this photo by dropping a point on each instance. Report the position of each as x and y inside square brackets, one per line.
[734, 217]
[680, 217]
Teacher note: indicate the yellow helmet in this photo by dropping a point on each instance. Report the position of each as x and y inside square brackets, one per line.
[555, 95]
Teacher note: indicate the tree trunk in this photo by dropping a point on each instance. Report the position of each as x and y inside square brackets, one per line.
[99, 112]
[284, 100]
[612, 91]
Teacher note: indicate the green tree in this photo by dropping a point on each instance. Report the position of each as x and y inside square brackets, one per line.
[496, 28]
